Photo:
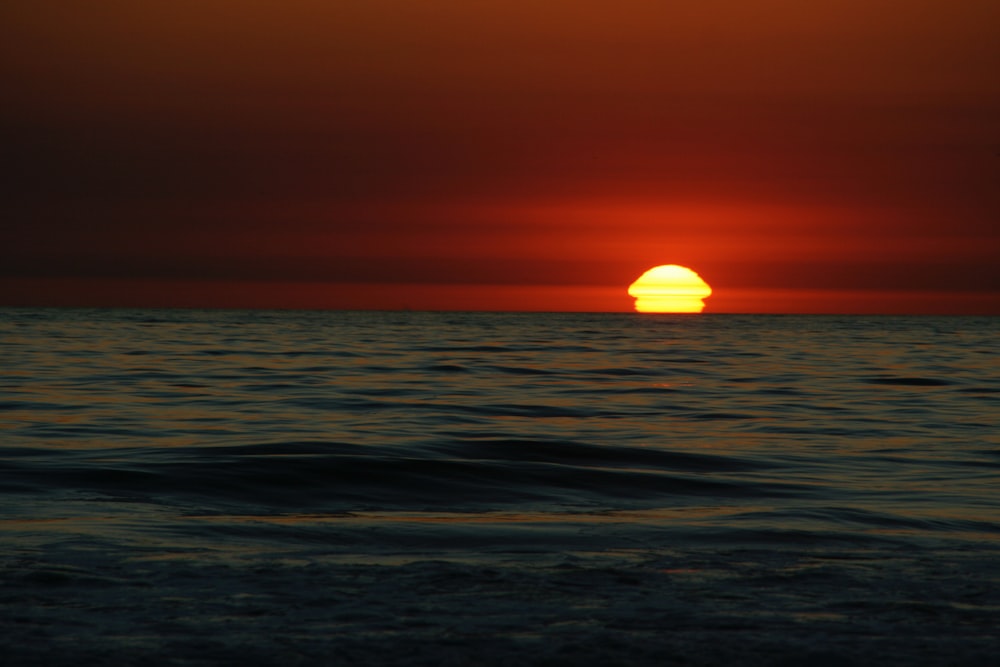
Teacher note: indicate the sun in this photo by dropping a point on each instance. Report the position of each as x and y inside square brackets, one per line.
[669, 289]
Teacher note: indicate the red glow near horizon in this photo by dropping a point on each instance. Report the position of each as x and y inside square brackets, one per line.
[501, 156]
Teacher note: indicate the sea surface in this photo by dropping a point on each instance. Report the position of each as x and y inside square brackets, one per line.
[527, 482]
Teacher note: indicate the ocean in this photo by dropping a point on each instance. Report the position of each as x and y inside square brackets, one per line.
[210, 487]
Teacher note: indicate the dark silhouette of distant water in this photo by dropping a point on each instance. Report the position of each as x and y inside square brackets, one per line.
[397, 488]
[286, 427]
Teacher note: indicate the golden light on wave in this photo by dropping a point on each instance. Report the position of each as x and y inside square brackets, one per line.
[669, 289]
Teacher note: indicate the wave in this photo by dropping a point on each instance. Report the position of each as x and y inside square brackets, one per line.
[473, 473]
[845, 425]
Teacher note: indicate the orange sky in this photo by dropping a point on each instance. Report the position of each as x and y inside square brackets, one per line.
[802, 157]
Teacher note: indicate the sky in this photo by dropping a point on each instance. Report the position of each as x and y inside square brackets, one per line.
[837, 156]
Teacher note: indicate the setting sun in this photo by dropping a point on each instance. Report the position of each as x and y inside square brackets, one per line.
[669, 289]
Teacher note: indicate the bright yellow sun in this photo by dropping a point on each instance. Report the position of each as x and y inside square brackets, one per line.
[669, 289]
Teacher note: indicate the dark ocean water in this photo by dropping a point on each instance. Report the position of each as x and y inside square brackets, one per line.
[693, 445]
